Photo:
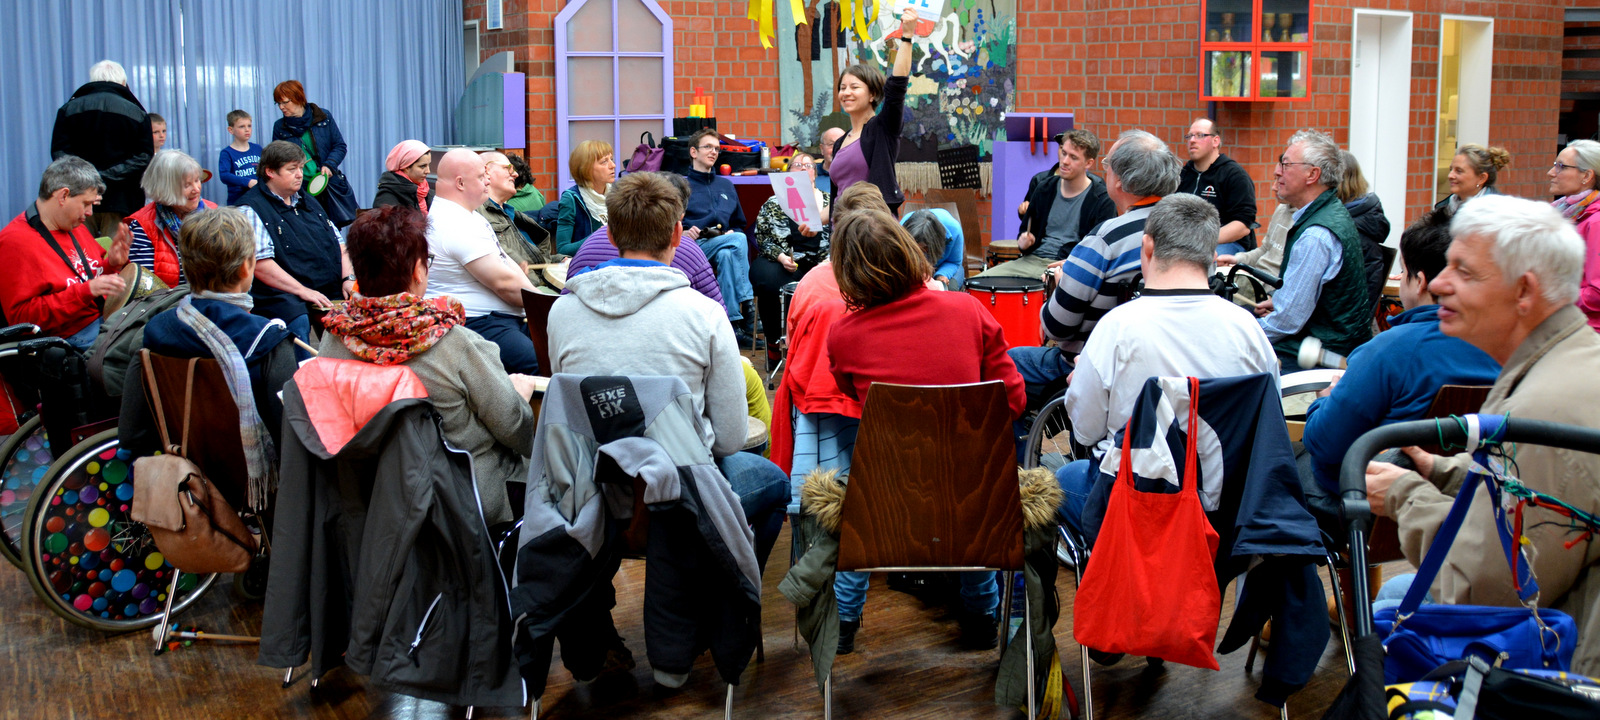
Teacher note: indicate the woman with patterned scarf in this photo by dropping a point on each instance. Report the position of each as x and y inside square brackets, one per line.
[391, 323]
[172, 182]
[257, 355]
[1574, 178]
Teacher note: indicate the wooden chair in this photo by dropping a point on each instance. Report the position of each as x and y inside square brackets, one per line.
[537, 306]
[966, 200]
[933, 487]
[210, 438]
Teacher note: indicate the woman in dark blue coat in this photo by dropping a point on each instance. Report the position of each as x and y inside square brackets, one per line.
[313, 129]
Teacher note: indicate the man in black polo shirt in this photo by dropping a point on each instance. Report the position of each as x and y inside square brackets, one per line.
[1223, 183]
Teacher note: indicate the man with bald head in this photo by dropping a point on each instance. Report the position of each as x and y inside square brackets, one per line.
[470, 266]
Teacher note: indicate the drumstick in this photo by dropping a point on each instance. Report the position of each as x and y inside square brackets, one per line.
[304, 346]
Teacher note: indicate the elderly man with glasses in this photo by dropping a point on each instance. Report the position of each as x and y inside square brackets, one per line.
[715, 221]
[1222, 182]
[1324, 294]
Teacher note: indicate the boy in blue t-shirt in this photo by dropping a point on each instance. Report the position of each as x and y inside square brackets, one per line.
[237, 165]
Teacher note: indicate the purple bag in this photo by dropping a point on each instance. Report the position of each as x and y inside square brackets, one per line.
[646, 157]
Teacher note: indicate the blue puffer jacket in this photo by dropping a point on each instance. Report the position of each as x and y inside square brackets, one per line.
[1392, 378]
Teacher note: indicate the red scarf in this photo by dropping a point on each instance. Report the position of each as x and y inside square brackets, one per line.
[422, 195]
[392, 329]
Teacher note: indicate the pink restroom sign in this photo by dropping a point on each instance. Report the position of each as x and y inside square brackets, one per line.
[798, 196]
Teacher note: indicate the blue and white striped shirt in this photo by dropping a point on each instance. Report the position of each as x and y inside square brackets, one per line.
[1095, 275]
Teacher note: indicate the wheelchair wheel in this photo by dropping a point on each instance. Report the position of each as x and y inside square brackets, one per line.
[24, 458]
[85, 558]
[1050, 443]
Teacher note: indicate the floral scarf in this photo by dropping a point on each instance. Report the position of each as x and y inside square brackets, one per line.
[392, 329]
[1572, 206]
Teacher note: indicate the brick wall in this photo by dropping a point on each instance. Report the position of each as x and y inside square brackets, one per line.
[1120, 66]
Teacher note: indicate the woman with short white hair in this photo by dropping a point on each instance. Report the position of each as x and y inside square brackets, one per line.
[172, 183]
[1575, 179]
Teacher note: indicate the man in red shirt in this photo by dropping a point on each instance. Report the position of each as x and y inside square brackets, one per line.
[57, 275]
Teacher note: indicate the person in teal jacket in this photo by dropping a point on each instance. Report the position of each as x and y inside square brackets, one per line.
[1393, 377]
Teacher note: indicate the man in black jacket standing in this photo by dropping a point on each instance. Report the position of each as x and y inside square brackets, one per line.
[105, 124]
[1223, 183]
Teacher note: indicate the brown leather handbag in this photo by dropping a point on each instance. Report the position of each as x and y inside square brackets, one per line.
[190, 522]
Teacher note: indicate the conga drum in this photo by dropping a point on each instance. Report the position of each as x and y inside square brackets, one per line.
[1015, 303]
[755, 438]
[1002, 251]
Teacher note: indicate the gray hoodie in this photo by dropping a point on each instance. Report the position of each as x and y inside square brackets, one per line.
[649, 321]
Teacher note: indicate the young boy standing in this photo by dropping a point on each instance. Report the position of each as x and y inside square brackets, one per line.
[237, 165]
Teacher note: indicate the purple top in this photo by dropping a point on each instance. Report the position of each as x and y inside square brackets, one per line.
[689, 259]
[849, 167]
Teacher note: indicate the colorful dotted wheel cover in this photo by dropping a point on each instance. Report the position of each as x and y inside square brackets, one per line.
[97, 560]
[20, 476]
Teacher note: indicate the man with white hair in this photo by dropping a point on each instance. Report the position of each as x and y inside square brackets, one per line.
[1513, 272]
[1324, 294]
[470, 266]
[105, 124]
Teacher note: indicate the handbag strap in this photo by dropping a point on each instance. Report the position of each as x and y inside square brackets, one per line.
[1527, 586]
[155, 400]
[647, 134]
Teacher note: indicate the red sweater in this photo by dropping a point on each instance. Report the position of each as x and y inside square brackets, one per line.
[38, 288]
[927, 337]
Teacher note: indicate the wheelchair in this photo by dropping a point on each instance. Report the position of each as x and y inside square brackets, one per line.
[65, 496]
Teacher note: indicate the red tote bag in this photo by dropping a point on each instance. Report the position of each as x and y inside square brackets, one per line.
[1149, 588]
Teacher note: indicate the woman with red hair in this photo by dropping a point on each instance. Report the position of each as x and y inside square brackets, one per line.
[314, 130]
[390, 323]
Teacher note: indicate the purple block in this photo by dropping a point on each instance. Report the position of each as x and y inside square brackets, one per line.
[1014, 166]
[1018, 125]
[515, 110]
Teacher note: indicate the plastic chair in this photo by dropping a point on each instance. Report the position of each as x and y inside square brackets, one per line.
[933, 488]
[537, 306]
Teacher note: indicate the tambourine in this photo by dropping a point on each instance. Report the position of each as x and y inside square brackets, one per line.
[137, 283]
[318, 184]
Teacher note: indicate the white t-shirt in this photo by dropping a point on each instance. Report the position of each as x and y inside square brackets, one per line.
[457, 236]
[1190, 335]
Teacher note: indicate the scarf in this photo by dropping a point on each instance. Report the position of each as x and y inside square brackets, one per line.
[595, 202]
[392, 329]
[404, 155]
[422, 196]
[1572, 206]
[244, 301]
[259, 451]
[298, 126]
[171, 223]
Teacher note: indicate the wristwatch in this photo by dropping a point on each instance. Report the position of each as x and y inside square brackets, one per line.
[349, 278]
[905, 39]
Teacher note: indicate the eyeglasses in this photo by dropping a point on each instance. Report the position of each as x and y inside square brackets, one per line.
[1285, 163]
[429, 262]
[707, 147]
[1558, 166]
[1197, 136]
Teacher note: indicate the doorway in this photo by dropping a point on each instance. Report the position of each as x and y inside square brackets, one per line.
[1380, 108]
[1466, 54]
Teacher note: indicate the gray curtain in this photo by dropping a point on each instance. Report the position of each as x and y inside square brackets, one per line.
[387, 70]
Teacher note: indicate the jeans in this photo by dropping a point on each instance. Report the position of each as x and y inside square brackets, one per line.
[510, 334]
[763, 492]
[1076, 479]
[980, 593]
[84, 339]
[729, 254]
[1043, 369]
[1232, 248]
[300, 326]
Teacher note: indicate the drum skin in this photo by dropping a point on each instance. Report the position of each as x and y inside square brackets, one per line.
[1015, 303]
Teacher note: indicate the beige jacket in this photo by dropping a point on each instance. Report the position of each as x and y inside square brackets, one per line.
[1554, 375]
[1268, 255]
[479, 409]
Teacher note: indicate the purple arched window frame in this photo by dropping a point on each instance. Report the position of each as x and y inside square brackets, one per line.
[659, 123]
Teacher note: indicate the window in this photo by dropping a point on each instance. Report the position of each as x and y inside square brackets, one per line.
[613, 76]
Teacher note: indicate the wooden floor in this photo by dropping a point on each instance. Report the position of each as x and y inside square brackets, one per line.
[907, 665]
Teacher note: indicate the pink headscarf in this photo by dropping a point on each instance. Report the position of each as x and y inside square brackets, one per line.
[405, 155]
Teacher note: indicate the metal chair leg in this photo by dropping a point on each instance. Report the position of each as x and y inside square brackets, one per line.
[1283, 712]
[1010, 580]
[469, 712]
[1344, 623]
[288, 677]
[1083, 652]
[535, 715]
[827, 697]
[1027, 625]
[166, 613]
[727, 712]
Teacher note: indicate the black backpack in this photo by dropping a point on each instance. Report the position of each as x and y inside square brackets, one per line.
[122, 335]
